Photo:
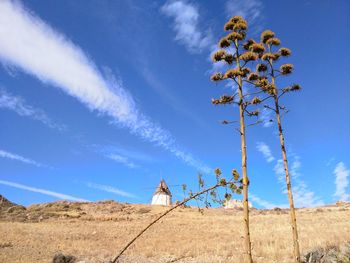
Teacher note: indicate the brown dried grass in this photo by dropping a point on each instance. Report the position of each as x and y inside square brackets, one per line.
[101, 229]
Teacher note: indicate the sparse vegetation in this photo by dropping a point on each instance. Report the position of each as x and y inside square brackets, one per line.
[184, 235]
[329, 254]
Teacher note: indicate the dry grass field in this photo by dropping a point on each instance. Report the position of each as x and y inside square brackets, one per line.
[95, 232]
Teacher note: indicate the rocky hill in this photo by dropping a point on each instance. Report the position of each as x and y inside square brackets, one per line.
[4, 203]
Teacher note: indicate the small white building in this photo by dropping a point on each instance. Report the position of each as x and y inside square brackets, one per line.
[162, 195]
[233, 203]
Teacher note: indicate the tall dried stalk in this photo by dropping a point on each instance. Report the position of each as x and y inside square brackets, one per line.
[239, 58]
[266, 80]
[247, 243]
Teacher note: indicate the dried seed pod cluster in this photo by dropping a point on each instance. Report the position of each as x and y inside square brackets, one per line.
[248, 56]
[248, 44]
[219, 55]
[253, 76]
[286, 69]
[285, 52]
[236, 72]
[257, 48]
[255, 101]
[237, 25]
[273, 41]
[270, 56]
[266, 35]
[261, 67]
[225, 99]
[217, 77]
[294, 87]
[269, 42]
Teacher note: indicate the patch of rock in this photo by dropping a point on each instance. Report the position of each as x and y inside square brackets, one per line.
[332, 254]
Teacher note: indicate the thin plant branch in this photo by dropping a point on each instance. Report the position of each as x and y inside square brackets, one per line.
[255, 123]
[228, 122]
[268, 107]
[115, 260]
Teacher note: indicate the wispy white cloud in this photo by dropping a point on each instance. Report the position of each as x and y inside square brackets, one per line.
[12, 156]
[279, 170]
[266, 117]
[122, 159]
[295, 166]
[130, 153]
[29, 43]
[110, 189]
[42, 191]
[303, 196]
[18, 105]
[341, 181]
[265, 150]
[251, 10]
[186, 20]
[263, 203]
[126, 156]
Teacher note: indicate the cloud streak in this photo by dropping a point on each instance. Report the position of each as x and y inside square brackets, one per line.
[186, 18]
[121, 159]
[110, 189]
[341, 181]
[264, 203]
[266, 118]
[18, 105]
[42, 191]
[16, 157]
[265, 150]
[302, 195]
[30, 44]
[119, 150]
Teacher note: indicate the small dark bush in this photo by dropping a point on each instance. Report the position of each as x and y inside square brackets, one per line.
[60, 258]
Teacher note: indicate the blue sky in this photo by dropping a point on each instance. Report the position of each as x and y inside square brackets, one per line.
[101, 99]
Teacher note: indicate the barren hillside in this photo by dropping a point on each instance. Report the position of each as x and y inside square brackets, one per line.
[95, 232]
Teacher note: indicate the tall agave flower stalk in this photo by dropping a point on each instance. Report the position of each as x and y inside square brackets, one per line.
[265, 78]
[234, 54]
